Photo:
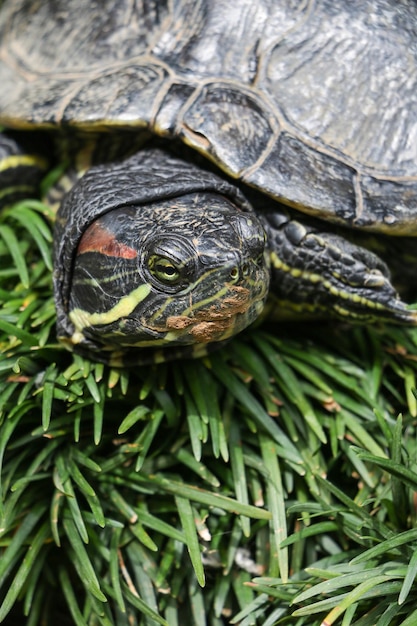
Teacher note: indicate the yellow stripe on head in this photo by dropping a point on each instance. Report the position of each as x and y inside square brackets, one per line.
[126, 305]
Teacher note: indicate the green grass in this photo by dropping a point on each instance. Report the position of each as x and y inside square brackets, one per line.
[271, 483]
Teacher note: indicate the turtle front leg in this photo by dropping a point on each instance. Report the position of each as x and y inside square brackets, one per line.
[319, 273]
[22, 166]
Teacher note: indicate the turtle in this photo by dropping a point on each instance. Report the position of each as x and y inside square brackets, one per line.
[226, 162]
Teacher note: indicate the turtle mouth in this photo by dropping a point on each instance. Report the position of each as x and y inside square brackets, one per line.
[218, 321]
[215, 322]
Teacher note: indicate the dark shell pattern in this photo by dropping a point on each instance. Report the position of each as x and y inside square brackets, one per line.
[323, 119]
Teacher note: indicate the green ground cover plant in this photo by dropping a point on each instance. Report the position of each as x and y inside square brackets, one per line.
[273, 482]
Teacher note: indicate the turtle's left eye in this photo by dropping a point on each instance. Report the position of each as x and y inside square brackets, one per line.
[164, 269]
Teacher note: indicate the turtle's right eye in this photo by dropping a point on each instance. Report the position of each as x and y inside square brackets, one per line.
[234, 273]
[164, 269]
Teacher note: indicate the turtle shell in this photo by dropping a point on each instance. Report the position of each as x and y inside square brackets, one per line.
[310, 101]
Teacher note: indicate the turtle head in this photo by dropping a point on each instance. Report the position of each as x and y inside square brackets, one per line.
[187, 271]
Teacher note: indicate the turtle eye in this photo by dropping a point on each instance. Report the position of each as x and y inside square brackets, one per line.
[234, 273]
[164, 269]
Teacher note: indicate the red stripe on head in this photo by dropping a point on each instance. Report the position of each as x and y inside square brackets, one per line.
[98, 239]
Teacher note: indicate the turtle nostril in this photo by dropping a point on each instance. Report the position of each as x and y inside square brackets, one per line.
[245, 269]
[260, 260]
